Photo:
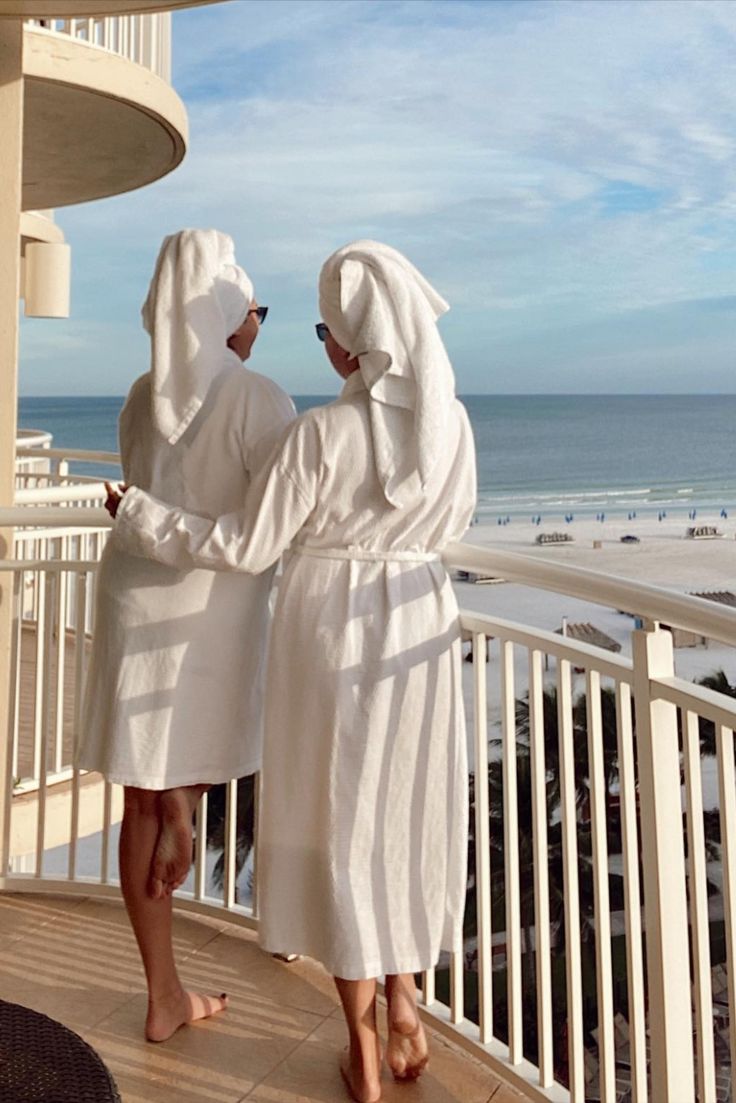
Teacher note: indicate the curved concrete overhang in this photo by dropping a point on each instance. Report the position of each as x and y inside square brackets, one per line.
[63, 9]
[95, 124]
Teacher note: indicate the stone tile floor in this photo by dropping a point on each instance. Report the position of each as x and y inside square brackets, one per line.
[75, 959]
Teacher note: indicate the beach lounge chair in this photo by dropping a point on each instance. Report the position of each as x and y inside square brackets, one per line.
[703, 532]
[554, 538]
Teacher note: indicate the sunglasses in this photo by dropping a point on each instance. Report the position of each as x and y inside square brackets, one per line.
[321, 330]
[260, 313]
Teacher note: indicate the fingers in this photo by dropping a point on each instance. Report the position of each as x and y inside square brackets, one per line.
[112, 501]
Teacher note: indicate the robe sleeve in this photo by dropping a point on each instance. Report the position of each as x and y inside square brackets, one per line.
[465, 497]
[277, 504]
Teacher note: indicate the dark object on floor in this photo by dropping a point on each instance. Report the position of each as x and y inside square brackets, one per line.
[42, 1061]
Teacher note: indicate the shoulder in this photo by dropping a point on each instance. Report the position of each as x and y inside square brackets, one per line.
[141, 386]
[461, 414]
[260, 393]
[140, 392]
[302, 441]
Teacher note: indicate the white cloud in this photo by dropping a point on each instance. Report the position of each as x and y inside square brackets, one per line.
[488, 140]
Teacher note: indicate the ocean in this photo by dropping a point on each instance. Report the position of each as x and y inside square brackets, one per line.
[548, 455]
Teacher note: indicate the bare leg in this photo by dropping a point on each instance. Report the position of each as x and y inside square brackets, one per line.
[361, 1066]
[169, 1005]
[173, 854]
[406, 1053]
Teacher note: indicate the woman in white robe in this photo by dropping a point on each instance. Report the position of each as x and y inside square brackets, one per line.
[363, 833]
[175, 686]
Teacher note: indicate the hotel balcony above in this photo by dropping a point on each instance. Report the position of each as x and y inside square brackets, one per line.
[100, 114]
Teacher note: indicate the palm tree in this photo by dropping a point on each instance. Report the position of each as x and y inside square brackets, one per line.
[718, 682]
[525, 841]
[245, 827]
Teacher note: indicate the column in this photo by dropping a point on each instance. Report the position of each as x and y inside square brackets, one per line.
[11, 151]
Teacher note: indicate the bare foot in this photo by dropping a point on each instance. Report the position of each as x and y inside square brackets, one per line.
[173, 854]
[407, 1054]
[364, 1085]
[166, 1015]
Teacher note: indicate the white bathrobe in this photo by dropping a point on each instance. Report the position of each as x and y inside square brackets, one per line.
[175, 684]
[363, 833]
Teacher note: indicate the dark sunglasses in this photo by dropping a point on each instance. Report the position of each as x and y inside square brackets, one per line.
[260, 313]
[322, 331]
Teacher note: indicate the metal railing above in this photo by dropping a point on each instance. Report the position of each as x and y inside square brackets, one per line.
[144, 39]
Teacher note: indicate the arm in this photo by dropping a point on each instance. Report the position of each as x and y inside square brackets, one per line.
[466, 488]
[276, 506]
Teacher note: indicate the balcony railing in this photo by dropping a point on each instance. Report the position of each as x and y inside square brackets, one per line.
[600, 945]
[145, 39]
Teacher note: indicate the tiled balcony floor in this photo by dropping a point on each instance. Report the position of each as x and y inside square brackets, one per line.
[75, 959]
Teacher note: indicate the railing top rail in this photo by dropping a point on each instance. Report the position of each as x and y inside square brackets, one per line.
[28, 536]
[53, 566]
[49, 517]
[584, 655]
[649, 602]
[70, 492]
[80, 455]
[708, 703]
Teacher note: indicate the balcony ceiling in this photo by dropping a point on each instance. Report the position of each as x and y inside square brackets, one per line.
[62, 9]
[91, 129]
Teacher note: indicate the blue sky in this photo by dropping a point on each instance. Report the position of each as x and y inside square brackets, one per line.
[564, 172]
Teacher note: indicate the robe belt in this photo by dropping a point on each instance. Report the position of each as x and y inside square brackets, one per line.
[368, 555]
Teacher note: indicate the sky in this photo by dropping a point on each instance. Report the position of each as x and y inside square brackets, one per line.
[563, 171]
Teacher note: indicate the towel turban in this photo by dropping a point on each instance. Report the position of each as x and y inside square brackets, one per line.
[382, 310]
[197, 299]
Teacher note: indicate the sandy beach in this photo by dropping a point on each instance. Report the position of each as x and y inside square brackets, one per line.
[664, 557]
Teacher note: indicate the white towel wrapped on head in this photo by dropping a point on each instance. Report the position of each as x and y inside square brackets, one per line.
[197, 299]
[380, 308]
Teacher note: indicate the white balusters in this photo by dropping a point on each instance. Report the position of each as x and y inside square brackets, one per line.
[727, 799]
[511, 855]
[143, 38]
[568, 807]
[665, 903]
[632, 895]
[541, 870]
[599, 850]
[482, 840]
[231, 841]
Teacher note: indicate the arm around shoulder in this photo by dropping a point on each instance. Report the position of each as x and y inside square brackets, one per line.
[251, 540]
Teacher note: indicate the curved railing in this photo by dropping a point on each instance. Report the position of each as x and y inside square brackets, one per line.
[600, 945]
[145, 39]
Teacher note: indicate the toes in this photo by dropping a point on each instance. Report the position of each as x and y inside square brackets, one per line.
[156, 888]
[202, 1007]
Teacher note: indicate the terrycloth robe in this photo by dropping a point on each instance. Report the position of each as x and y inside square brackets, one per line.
[363, 832]
[175, 685]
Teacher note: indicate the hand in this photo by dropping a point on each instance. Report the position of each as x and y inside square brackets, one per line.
[114, 497]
